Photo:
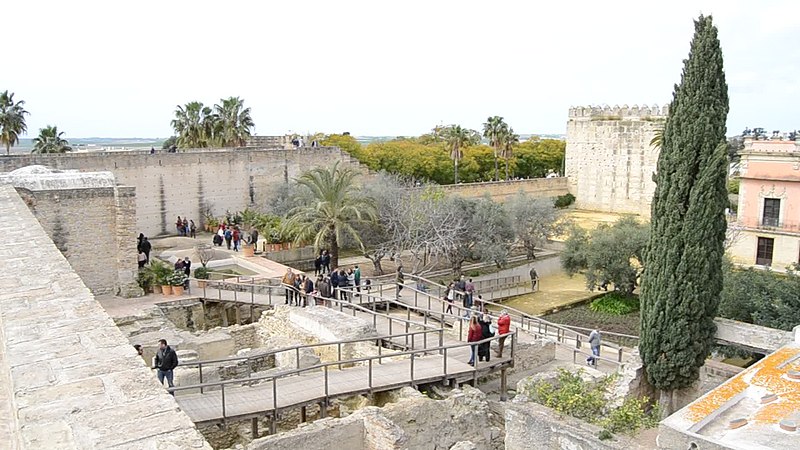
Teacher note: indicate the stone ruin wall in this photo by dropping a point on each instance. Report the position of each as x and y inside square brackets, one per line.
[609, 160]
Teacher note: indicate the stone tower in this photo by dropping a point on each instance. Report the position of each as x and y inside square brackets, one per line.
[609, 160]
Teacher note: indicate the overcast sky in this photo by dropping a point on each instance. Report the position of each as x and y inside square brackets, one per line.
[118, 69]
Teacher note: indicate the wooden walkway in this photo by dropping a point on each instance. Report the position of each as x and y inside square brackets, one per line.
[321, 384]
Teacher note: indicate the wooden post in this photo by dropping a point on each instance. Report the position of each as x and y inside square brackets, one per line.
[503, 385]
[273, 424]
[303, 414]
[323, 409]
[255, 427]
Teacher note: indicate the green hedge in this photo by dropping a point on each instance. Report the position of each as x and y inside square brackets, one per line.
[616, 304]
[562, 201]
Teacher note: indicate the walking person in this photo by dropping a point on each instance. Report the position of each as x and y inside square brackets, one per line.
[485, 322]
[326, 261]
[318, 264]
[461, 288]
[344, 284]
[534, 279]
[308, 290]
[166, 360]
[142, 259]
[473, 335]
[237, 236]
[146, 247]
[288, 284]
[228, 236]
[449, 297]
[594, 342]
[335, 283]
[179, 226]
[470, 289]
[400, 279]
[192, 230]
[185, 227]
[503, 327]
[357, 280]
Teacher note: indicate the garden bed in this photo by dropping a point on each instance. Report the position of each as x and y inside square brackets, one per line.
[582, 316]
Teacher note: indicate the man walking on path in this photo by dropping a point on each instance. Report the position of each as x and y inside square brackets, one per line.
[288, 283]
[357, 280]
[534, 279]
[166, 361]
[594, 342]
[400, 279]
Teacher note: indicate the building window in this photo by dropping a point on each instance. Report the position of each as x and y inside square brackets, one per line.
[772, 212]
[764, 252]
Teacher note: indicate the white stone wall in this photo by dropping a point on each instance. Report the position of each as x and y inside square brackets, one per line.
[74, 380]
[609, 160]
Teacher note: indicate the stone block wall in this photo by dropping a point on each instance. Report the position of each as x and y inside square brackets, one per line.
[94, 229]
[187, 183]
[503, 190]
[74, 380]
[609, 160]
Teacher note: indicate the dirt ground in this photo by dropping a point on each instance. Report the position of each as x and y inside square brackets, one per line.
[555, 291]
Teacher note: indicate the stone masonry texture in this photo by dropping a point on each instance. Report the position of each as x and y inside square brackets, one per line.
[188, 183]
[609, 160]
[69, 379]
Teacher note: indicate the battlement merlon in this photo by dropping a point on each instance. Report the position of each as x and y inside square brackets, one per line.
[617, 112]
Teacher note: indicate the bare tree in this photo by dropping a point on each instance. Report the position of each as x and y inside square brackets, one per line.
[534, 221]
[206, 253]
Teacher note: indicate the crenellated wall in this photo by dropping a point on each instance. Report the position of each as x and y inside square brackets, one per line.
[609, 159]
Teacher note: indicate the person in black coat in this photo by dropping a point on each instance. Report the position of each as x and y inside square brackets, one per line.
[483, 349]
[166, 361]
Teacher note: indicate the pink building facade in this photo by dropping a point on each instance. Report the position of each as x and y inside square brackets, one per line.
[768, 213]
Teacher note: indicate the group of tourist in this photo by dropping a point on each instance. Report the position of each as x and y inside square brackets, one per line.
[186, 227]
[143, 247]
[233, 236]
[339, 283]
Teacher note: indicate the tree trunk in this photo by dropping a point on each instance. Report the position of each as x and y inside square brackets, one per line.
[376, 266]
[456, 175]
[506, 169]
[666, 402]
[8, 149]
[334, 251]
[496, 168]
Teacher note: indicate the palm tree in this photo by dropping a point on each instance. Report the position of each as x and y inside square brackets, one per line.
[510, 139]
[457, 138]
[330, 208]
[50, 141]
[235, 122]
[195, 125]
[658, 138]
[12, 120]
[494, 129]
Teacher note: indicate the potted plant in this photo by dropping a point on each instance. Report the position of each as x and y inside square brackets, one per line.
[177, 280]
[212, 224]
[146, 279]
[161, 273]
[201, 274]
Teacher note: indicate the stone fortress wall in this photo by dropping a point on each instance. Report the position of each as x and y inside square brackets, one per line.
[609, 160]
[187, 183]
[90, 219]
[69, 379]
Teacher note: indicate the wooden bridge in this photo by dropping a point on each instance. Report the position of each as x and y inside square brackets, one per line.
[269, 395]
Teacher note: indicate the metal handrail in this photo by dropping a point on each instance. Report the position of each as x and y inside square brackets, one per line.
[341, 362]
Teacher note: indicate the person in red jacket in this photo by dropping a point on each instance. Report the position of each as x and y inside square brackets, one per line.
[503, 327]
[475, 334]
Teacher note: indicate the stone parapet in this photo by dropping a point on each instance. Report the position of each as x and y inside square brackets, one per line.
[618, 112]
[75, 380]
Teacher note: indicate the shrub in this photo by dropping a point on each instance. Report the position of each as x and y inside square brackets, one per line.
[177, 278]
[733, 186]
[615, 303]
[145, 279]
[562, 201]
[161, 272]
[571, 395]
[201, 273]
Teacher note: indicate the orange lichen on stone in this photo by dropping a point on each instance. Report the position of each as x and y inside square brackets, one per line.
[701, 408]
[765, 374]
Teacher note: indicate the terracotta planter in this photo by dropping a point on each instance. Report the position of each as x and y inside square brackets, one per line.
[156, 288]
[248, 250]
[166, 289]
[202, 284]
[177, 290]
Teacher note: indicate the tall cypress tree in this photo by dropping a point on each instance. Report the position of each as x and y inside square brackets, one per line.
[682, 282]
